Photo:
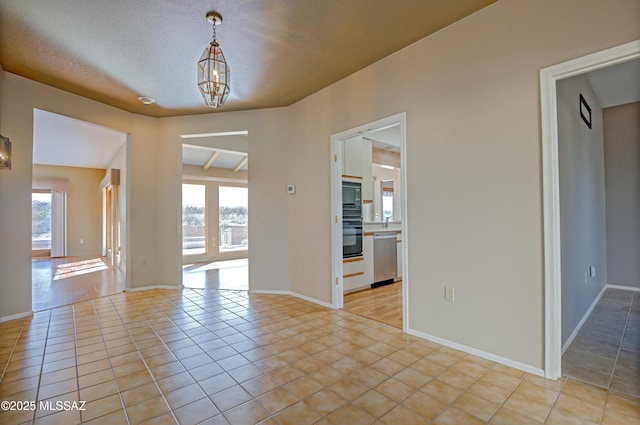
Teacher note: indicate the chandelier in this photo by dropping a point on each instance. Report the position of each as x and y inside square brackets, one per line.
[213, 71]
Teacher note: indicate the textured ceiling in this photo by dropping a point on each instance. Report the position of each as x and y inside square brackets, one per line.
[279, 51]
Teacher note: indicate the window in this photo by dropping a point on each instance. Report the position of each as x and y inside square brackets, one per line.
[41, 221]
[194, 223]
[234, 218]
[387, 200]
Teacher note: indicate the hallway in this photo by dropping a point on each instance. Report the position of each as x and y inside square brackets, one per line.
[606, 351]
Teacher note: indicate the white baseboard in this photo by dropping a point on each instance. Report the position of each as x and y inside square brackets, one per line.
[293, 294]
[146, 288]
[313, 300]
[470, 350]
[16, 316]
[573, 335]
[625, 288]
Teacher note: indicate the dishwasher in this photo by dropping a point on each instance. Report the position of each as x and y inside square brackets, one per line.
[384, 258]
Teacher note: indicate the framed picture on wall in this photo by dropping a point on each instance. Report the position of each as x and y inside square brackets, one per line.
[585, 111]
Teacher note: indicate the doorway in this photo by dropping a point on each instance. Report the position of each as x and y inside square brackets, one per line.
[72, 160]
[215, 211]
[343, 160]
[551, 187]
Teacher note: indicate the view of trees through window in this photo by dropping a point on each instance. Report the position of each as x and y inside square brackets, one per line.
[234, 218]
[194, 222]
[40, 221]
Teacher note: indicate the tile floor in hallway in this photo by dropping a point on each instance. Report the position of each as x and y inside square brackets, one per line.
[218, 357]
[606, 351]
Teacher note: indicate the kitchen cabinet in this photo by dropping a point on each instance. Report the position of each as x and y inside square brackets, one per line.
[357, 162]
[353, 274]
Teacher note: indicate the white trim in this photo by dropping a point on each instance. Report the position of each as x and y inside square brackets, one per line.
[470, 350]
[337, 292]
[584, 319]
[218, 134]
[16, 316]
[293, 294]
[146, 288]
[550, 178]
[624, 288]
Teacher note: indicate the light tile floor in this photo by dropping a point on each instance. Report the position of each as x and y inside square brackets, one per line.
[606, 351]
[219, 357]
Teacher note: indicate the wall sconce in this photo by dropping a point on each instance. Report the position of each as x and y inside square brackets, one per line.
[5, 153]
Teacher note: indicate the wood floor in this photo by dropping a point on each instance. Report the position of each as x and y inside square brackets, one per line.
[67, 280]
[383, 304]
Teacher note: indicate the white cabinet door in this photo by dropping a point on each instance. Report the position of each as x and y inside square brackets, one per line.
[366, 155]
[352, 158]
[367, 253]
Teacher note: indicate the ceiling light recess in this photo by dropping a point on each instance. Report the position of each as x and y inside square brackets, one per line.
[146, 100]
[213, 71]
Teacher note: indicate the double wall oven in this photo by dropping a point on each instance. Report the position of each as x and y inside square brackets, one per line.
[351, 219]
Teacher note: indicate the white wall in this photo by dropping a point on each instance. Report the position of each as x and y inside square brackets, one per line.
[582, 201]
[622, 179]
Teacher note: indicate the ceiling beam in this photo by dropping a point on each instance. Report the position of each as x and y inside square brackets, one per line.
[241, 164]
[207, 148]
[211, 160]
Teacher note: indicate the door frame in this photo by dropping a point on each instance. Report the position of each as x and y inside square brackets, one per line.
[551, 190]
[336, 140]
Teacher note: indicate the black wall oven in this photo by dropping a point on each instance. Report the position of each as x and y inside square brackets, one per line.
[351, 219]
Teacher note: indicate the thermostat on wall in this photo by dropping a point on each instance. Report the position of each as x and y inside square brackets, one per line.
[291, 189]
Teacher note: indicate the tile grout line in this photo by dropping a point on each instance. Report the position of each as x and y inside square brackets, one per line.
[624, 331]
[115, 378]
[146, 365]
[44, 350]
[13, 350]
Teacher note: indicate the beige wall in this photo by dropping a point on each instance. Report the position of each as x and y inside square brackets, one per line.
[582, 202]
[268, 200]
[84, 206]
[622, 177]
[471, 94]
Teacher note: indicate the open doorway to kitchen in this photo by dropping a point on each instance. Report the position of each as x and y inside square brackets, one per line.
[370, 221]
[577, 290]
[215, 211]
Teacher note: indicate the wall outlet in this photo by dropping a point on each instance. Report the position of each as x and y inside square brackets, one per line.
[144, 262]
[449, 294]
[81, 241]
[592, 271]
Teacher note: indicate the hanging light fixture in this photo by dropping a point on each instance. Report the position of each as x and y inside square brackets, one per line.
[213, 71]
[5, 153]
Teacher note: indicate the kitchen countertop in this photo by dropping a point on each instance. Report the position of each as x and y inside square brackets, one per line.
[378, 226]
